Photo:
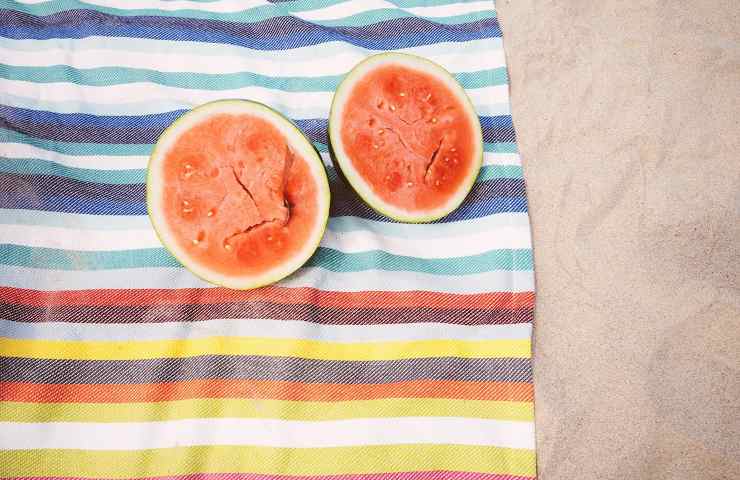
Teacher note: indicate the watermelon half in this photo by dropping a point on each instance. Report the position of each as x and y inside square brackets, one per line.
[406, 137]
[237, 194]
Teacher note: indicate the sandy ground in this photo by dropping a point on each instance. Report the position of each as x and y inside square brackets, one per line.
[628, 117]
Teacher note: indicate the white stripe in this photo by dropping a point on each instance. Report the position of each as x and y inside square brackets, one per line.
[267, 432]
[208, 50]
[101, 162]
[163, 58]
[347, 242]
[338, 224]
[344, 9]
[289, 329]
[347, 9]
[492, 158]
[246, 327]
[368, 280]
[295, 105]
[222, 6]
[450, 10]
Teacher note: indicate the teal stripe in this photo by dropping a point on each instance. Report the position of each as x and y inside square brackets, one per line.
[491, 172]
[336, 224]
[376, 16]
[31, 166]
[500, 147]
[325, 258]
[70, 148]
[118, 149]
[107, 76]
[171, 278]
[252, 15]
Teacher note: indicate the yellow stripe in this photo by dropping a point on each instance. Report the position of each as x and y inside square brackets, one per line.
[271, 347]
[250, 408]
[266, 460]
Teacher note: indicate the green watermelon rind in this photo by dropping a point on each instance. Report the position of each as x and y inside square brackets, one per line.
[295, 138]
[358, 184]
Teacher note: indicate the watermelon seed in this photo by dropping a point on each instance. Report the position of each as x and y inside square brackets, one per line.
[371, 122]
[453, 149]
[447, 159]
[199, 238]
[211, 213]
[380, 103]
[401, 94]
[375, 145]
[393, 108]
[381, 131]
[188, 171]
[434, 119]
[428, 97]
[186, 207]
[227, 246]
[269, 238]
[436, 183]
[410, 184]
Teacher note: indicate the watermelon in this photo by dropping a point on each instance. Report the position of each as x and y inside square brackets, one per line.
[406, 137]
[237, 194]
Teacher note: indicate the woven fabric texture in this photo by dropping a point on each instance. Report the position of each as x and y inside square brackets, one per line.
[398, 352]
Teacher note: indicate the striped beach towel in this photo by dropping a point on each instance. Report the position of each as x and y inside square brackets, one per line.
[398, 352]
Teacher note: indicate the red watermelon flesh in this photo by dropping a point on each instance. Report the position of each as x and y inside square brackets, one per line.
[409, 137]
[237, 198]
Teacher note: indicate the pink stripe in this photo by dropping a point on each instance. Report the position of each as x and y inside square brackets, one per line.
[374, 476]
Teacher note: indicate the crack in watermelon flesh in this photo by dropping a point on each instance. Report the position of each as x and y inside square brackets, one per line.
[236, 196]
[408, 136]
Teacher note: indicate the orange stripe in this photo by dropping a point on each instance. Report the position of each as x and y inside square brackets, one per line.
[289, 296]
[275, 390]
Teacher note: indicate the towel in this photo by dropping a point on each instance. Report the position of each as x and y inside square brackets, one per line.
[397, 352]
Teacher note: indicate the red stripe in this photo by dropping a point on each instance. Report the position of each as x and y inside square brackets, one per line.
[261, 389]
[370, 476]
[273, 294]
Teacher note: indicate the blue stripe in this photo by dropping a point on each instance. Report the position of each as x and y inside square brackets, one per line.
[100, 206]
[60, 194]
[271, 34]
[34, 166]
[137, 129]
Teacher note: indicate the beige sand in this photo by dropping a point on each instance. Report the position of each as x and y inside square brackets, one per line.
[628, 116]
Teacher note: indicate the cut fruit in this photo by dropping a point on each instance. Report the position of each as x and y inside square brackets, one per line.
[406, 137]
[237, 194]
